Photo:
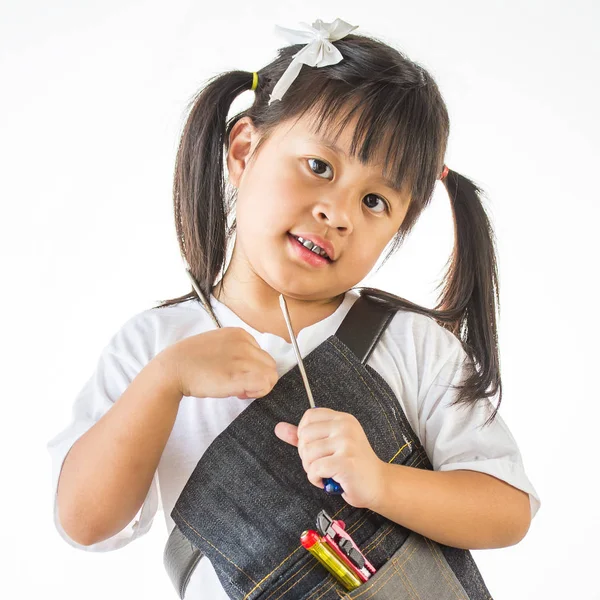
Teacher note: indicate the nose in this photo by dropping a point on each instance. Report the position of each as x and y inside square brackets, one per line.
[335, 211]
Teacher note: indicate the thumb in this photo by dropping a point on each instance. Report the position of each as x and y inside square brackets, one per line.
[287, 433]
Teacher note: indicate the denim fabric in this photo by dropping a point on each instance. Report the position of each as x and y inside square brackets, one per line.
[248, 499]
[417, 570]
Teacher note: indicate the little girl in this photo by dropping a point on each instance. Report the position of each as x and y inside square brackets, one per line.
[199, 405]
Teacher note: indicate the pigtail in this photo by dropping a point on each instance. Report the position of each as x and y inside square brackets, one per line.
[470, 295]
[200, 203]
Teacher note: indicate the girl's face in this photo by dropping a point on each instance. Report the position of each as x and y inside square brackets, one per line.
[299, 184]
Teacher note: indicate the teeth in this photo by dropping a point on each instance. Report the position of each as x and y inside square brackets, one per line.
[313, 247]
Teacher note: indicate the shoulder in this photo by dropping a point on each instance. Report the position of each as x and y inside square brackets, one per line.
[413, 352]
[423, 336]
[411, 329]
[146, 333]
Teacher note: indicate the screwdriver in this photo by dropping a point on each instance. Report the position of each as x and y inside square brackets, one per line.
[318, 547]
[331, 487]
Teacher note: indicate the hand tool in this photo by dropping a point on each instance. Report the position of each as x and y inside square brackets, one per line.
[201, 297]
[330, 486]
[335, 534]
[313, 542]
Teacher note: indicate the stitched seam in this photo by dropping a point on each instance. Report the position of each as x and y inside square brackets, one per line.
[339, 511]
[333, 585]
[341, 353]
[352, 528]
[421, 459]
[406, 427]
[288, 581]
[391, 578]
[405, 576]
[379, 585]
[275, 569]
[393, 457]
[443, 569]
[383, 533]
[375, 587]
[391, 399]
[371, 547]
[358, 524]
[283, 561]
[213, 546]
[307, 574]
[293, 576]
[320, 587]
[390, 527]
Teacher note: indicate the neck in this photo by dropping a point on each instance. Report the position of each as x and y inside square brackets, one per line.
[258, 306]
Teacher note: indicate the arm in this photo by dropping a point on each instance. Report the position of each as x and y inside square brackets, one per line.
[464, 509]
[108, 471]
[460, 508]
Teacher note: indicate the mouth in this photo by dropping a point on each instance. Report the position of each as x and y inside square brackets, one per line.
[309, 251]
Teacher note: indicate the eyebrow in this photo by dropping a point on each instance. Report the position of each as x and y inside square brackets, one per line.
[335, 148]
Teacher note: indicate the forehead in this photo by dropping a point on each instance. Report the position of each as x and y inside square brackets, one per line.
[342, 139]
[332, 132]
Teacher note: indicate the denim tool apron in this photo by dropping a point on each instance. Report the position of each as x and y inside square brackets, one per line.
[248, 499]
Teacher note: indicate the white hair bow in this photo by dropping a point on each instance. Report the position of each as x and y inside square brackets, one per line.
[318, 52]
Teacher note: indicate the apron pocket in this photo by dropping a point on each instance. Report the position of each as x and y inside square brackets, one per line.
[417, 571]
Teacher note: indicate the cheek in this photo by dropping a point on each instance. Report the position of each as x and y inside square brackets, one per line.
[365, 252]
[272, 204]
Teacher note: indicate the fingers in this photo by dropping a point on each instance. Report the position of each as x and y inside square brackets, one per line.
[287, 433]
[325, 418]
[253, 352]
[315, 451]
[246, 336]
[322, 469]
[316, 415]
[258, 372]
[317, 431]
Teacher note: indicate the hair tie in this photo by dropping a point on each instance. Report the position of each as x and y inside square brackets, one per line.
[318, 52]
[254, 81]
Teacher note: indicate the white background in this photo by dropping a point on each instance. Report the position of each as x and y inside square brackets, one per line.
[92, 101]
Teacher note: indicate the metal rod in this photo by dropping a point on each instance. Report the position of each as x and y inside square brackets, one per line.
[286, 316]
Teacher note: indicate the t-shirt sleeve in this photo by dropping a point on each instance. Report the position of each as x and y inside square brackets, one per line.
[455, 436]
[119, 363]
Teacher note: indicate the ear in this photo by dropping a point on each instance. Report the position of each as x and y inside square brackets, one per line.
[242, 141]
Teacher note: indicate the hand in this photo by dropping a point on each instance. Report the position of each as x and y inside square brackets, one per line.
[334, 444]
[220, 363]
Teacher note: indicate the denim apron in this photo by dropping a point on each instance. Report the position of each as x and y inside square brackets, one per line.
[248, 500]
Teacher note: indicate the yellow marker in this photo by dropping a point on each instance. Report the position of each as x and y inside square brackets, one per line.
[313, 542]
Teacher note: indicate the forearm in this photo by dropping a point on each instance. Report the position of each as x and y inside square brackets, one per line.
[464, 509]
[108, 471]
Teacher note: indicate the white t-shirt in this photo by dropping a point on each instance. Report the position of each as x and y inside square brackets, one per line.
[417, 358]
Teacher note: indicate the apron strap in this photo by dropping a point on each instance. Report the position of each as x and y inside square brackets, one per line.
[180, 558]
[360, 330]
[364, 325]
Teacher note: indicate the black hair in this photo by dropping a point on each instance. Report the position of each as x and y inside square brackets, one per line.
[401, 116]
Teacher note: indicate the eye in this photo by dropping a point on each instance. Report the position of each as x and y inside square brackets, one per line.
[384, 204]
[318, 166]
